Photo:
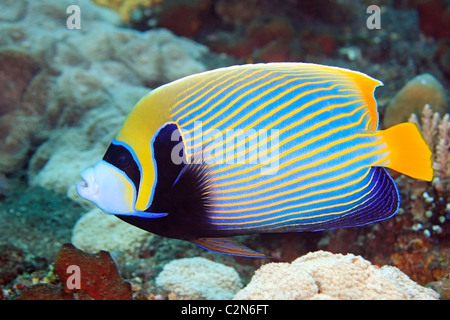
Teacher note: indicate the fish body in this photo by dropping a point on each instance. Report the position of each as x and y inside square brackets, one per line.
[279, 147]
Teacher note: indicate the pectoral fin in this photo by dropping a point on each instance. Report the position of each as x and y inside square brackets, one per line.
[227, 246]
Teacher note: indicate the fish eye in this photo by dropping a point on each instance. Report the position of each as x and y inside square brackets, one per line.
[121, 158]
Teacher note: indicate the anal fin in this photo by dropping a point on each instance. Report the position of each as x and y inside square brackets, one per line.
[227, 246]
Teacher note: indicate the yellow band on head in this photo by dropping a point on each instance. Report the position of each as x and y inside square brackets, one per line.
[138, 132]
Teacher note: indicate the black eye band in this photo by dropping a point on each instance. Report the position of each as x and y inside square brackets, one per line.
[121, 158]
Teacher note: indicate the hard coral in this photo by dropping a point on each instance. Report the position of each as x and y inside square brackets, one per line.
[421, 90]
[436, 133]
[416, 240]
[97, 231]
[323, 275]
[199, 278]
[99, 277]
[443, 286]
[267, 29]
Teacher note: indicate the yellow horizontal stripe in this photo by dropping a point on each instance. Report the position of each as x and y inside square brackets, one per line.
[282, 224]
[272, 204]
[274, 195]
[203, 82]
[259, 97]
[301, 212]
[277, 109]
[287, 116]
[303, 72]
[232, 74]
[258, 192]
[231, 103]
[218, 93]
[284, 141]
[290, 182]
[280, 107]
[304, 196]
[283, 154]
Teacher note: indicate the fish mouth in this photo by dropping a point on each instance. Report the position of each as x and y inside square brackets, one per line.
[87, 188]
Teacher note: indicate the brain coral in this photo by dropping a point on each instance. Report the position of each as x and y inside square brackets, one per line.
[323, 275]
[199, 279]
[419, 91]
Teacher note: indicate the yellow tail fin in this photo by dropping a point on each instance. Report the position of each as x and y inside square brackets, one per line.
[410, 154]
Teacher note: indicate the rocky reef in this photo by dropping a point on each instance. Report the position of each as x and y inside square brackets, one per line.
[73, 88]
[65, 92]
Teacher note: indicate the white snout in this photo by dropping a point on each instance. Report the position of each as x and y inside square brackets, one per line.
[87, 188]
[108, 187]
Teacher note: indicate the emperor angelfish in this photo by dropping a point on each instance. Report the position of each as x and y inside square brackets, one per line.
[278, 147]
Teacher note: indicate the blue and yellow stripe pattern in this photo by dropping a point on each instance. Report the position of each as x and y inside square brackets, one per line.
[284, 147]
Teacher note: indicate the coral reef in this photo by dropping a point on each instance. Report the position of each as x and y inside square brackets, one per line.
[88, 105]
[126, 8]
[436, 133]
[97, 231]
[12, 263]
[184, 17]
[43, 291]
[17, 70]
[257, 30]
[442, 158]
[64, 93]
[442, 286]
[434, 18]
[323, 275]
[59, 79]
[199, 278]
[442, 57]
[100, 278]
[416, 240]
[37, 221]
[421, 90]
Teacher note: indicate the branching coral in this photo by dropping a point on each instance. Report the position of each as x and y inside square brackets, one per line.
[436, 133]
[430, 204]
[442, 159]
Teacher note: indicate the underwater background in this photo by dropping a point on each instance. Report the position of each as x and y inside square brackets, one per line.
[67, 82]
